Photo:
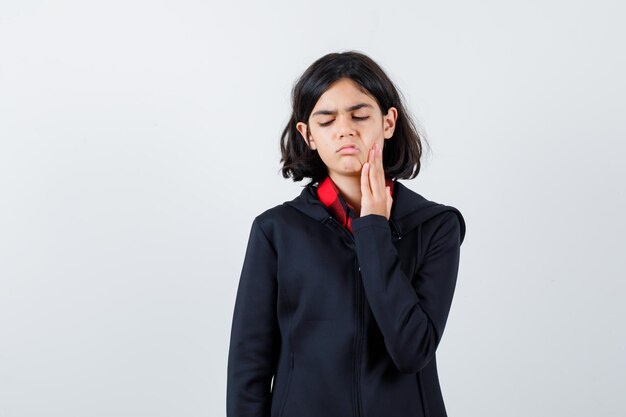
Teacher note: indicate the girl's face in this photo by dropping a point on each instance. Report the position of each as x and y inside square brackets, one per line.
[343, 116]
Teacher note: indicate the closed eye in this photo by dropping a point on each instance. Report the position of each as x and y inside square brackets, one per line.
[355, 117]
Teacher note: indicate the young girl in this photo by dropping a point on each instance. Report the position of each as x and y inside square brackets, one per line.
[345, 290]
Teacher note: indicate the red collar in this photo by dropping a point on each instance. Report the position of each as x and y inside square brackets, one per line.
[329, 194]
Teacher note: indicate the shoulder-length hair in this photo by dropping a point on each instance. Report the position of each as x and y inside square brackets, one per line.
[401, 159]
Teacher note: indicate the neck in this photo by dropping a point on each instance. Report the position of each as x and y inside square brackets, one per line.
[350, 189]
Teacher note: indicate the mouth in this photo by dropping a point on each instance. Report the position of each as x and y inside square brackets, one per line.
[348, 149]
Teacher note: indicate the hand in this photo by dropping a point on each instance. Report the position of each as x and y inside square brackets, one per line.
[375, 196]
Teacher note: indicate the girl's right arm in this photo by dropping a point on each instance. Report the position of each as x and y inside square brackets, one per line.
[255, 337]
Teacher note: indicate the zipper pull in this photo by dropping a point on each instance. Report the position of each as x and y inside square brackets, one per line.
[396, 234]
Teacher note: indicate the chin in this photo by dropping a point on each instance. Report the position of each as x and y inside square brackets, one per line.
[351, 172]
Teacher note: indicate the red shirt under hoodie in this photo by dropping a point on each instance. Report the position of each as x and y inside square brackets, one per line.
[329, 194]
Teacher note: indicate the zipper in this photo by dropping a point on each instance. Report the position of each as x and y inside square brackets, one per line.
[338, 225]
[396, 232]
[359, 341]
[358, 345]
[360, 307]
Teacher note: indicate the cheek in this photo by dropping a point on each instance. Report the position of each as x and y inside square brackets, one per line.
[326, 151]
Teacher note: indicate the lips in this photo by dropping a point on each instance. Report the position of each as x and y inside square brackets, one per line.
[348, 150]
[347, 147]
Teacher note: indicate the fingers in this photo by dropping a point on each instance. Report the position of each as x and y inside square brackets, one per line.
[375, 195]
[377, 172]
[365, 182]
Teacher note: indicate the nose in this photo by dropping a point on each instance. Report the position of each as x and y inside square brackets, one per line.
[345, 126]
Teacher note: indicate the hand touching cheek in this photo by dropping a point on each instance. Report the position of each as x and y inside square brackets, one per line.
[375, 196]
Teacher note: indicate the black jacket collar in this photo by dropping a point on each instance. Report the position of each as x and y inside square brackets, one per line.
[408, 211]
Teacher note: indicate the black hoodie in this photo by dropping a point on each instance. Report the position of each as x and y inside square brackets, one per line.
[347, 325]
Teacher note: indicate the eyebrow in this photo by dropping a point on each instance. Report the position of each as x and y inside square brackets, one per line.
[351, 108]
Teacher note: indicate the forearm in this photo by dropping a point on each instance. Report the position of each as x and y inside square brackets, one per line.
[411, 318]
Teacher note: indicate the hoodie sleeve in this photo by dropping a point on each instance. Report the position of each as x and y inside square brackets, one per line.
[411, 319]
[254, 340]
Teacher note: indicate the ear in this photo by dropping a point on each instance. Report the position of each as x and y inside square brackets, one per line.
[389, 122]
[303, 129]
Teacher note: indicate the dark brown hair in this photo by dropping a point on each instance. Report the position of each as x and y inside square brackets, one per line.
[402, 152]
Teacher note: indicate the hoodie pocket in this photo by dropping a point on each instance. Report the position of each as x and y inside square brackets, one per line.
[422, 394]
[286, 395]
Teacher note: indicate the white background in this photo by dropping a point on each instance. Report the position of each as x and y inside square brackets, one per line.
[138, 140]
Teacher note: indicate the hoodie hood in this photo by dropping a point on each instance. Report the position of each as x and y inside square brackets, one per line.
[409, 209]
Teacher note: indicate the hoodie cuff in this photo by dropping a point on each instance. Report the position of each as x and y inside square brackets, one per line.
[368, 221]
